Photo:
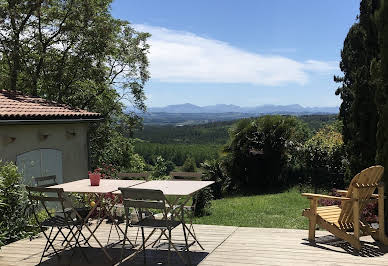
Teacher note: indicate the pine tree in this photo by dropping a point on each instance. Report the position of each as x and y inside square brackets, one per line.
[379, 70]
[358, 110]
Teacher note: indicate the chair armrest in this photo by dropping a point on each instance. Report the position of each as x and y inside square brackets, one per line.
[341, 191]
[344, 192]
[320, 196]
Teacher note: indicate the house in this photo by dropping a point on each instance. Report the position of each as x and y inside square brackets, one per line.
[44, 138]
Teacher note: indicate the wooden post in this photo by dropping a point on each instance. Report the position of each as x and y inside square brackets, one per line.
[385, 186]
[313, 218]
[356, 213]
[382, 237]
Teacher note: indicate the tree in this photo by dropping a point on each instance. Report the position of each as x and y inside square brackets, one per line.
[189, 165]
[358, 110]
[364, 90]
[379, 70]
[258, 150]
[74, 52]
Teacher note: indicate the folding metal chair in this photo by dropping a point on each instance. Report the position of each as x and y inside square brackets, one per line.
[47, 181]
[143, 200]
[189, 210]
[128, 176]
[59, 220]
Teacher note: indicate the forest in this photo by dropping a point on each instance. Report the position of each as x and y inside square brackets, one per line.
[214, 132]
[201, 142]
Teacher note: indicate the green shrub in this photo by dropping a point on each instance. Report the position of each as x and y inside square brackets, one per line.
[215, 171]
[203, 202]
[119, 152]
[325, 158]
[258, 151]
[170, 166]
[136, 164]
[189, 165]
[14, 206]
[160, 170]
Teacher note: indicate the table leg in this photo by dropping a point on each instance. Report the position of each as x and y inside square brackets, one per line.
[99, 199]
[181, 218]
[114, 222]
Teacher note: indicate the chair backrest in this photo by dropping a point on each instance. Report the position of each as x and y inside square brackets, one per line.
[46, 181]
[186, 175]
[143, 198]
[366, 183]
[137, 176]
[43, 196]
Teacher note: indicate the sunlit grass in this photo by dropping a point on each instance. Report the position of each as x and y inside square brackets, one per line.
[281, 210]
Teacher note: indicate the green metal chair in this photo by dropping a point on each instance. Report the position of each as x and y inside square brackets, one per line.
[189, 210]
[59, 220]
[51, 180]
[145, 200]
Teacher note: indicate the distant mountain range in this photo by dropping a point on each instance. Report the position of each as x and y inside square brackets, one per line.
[230, 108]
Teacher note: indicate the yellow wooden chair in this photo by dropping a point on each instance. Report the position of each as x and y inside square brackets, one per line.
[344, 221]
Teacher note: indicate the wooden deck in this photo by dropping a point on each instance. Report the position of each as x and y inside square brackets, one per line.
[224, 245]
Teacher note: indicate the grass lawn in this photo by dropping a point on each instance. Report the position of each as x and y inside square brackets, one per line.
[281, 210]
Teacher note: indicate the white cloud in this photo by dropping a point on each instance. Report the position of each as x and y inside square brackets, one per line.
[177, 56]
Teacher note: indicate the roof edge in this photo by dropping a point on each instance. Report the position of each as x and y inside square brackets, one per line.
[49, 121]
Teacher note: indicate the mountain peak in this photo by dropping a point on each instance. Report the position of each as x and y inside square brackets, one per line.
[230, 108]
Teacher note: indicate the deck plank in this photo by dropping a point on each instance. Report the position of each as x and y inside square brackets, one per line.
[224, 245]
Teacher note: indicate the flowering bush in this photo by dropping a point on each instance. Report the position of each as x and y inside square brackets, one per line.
[108, 171]
[95, 171]
[330, 202]
[368, 214]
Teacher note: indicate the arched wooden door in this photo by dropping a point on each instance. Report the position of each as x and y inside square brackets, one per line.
[40, 162]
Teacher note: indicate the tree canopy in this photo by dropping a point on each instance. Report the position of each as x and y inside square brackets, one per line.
[380, 71]
[74, 52]
[364, 88]
[358, 110]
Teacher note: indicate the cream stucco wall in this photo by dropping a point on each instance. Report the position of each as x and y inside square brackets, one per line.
[70, 138]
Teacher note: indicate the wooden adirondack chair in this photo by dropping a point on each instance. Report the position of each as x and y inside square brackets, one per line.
[342, 220]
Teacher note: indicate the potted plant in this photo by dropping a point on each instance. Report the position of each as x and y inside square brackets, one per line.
[95, 177]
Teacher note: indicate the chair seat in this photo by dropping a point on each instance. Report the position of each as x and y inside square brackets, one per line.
[155, 223]
[59, 221]
[186, 207]
[331, 215]
[82, 211]
[160, 216]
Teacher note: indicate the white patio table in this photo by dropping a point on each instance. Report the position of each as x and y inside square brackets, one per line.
[177, 192]
[106, 186]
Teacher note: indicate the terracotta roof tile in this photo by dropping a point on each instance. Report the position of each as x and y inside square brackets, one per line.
[16, 106]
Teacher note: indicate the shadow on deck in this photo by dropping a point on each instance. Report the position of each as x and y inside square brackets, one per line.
[95, 257]
[224, 246]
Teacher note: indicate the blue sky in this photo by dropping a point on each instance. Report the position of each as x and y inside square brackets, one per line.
[245, 53]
